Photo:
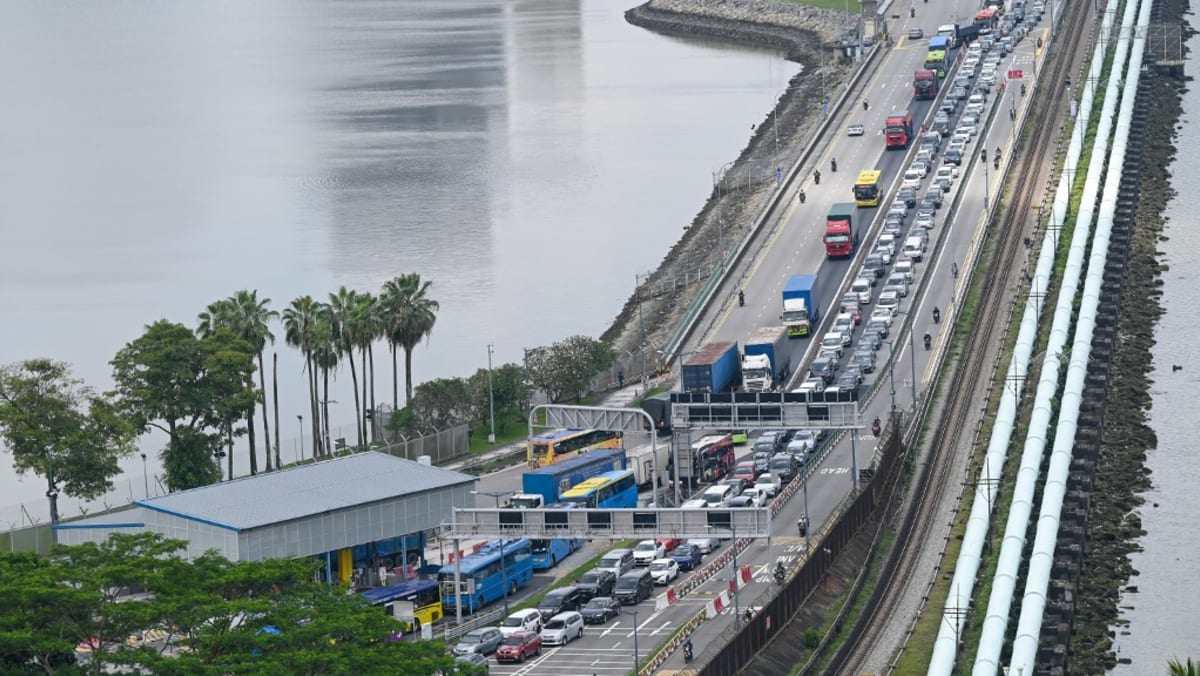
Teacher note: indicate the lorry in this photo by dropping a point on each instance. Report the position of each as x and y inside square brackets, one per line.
[898, 130]
[800, 312]
[658, 407]
[714, 367]
[925, 85]
[644, 459]
[841, 237]
[765, 359]
[950, 32]
[542, 486]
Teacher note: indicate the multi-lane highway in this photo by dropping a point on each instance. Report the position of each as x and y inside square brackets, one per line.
[796, 247]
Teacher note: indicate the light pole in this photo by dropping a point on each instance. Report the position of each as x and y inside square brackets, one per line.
[983, 156]
[491, 399]
[807, 521]
[145, 476]
[635, 637]
[503, 563]
[300, 422]
[912, 350]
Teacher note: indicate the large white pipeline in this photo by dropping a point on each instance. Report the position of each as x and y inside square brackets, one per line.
[1004, 582]
[966, 568]
[1033, 605]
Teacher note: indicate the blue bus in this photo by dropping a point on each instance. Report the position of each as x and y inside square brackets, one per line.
[547, 553]
[483, 577]
[610, 490]
[552, 480]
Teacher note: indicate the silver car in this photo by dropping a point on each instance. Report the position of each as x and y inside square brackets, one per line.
[562, 628]
[482, 641]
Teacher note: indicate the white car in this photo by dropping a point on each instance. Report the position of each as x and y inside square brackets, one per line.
[663, 571]
[648, 550]
[946, 171]
[912, 179]
[695, 503]
[921, 166]
[706, 545]
[522, 620]
[855, 130]
[562, 628]
[887, 240]
[844, 324]
[769, 483]
[905, 268]
[862, 287]
[883, 314]
[832, 342]
[889, 300]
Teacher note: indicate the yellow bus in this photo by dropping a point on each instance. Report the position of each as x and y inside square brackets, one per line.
[414, 603]
[551, 447]
[866, 188]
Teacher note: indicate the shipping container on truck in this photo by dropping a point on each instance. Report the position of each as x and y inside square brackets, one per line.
[712, 368]
[925, 85]
[769, 344]
[841, 237]
[898, 130]
[548, 482]
[800, 312]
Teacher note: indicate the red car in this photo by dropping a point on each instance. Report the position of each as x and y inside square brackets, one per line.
[518, 646]
[746, 471]
[670, 543]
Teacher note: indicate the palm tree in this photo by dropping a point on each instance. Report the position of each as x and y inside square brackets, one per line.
[298, 321]
[326, 352]
[411, 314]
[345, 307]
[223, 314]
[366, 332]
[1188, 668]
[251, 318]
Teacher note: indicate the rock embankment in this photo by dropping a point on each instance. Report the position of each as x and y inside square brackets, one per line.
[796, 29]
[744, 185]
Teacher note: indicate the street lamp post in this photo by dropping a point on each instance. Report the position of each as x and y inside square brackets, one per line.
[300, 423]
[737, 611]
[808, 525]
[145, 476]
[503, 563]
[491, 399]
[634, 613]
[983, 156]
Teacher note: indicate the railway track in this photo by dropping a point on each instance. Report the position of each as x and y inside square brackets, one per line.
[921, 527]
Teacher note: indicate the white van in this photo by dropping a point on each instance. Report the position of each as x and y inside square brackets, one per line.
[718, 496]
[914, 249]
[619, 561]
[862, 287]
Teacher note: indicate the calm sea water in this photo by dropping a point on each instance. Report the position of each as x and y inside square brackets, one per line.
[528, 157]
[1161, 614]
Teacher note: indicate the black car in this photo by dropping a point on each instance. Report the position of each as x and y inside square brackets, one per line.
[909, 196]
[926, 209]
[864, 358]
[953, 156]
[847, 382]
[870, 338]
[560, 601]
[824, 368]
[853, 371]
[878, 326]
[600, 610]
[596, 583]
[874, 265]
[934, 195]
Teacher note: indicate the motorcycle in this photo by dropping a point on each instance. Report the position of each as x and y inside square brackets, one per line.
[741, 299]
[780, 573]
[817, 177]
[876, 428]
[928, 341]
[937, 316]
[687, 650]
[833, 165]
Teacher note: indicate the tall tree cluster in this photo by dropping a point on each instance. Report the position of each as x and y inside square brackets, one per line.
[204, 616]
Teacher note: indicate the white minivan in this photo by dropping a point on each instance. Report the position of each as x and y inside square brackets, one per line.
[718, 496]
[914, 249]
[862, 287]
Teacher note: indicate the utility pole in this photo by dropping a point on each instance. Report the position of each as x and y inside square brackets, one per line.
[491, 399]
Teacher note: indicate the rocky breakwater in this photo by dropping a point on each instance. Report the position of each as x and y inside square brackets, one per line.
[798, 30]
[745, 184]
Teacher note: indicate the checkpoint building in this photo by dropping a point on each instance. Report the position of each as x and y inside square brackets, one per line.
[356, 513]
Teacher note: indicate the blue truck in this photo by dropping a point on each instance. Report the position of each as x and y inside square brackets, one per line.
[765, 359]
[542, 486]
[800, 312]
[715, 367]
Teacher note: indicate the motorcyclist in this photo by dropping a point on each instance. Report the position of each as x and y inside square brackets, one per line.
[954, 270]
[1022, 89]
[937, 315]
[912, 12]
[780, 573]
[833, 164]
[876, 428]
[802, 525]
[866, 106]
[817, 176]
[687, 650]
[801, 196]
[928, 341]
[997, 153]
[741, 298]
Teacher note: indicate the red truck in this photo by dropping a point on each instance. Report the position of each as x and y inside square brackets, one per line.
[898, 130]
[840, 236]
[925, 85]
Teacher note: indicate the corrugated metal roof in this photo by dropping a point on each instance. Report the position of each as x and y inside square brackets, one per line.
[299, 492]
